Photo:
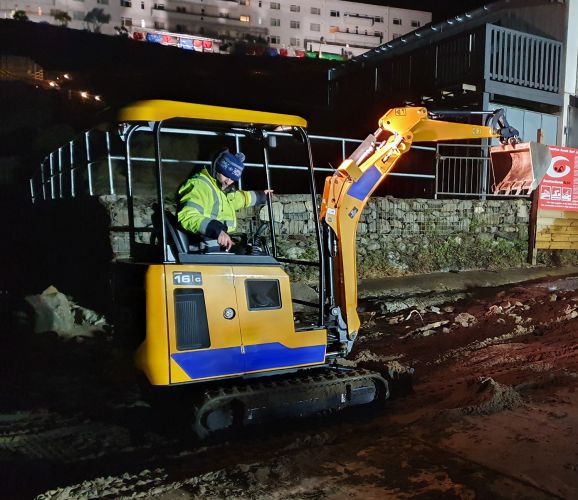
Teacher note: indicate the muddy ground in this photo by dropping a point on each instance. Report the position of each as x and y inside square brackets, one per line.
[492, 413]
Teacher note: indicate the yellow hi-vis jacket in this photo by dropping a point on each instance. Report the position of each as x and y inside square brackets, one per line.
[205, 209]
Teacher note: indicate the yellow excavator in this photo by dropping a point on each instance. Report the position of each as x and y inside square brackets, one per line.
[225, 321]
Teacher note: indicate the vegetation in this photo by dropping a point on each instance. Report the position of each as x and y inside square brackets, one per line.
[20, 15]
[61, 17]
[95, 18]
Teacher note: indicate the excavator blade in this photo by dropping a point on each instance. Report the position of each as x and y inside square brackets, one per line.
[519, 168]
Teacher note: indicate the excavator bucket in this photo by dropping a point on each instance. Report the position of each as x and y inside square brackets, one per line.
[519, 168]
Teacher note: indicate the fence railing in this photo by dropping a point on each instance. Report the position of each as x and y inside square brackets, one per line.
[465, 170]
[522, 59]
[68, 172]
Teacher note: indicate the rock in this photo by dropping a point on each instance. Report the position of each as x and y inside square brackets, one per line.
[52, 311]
[465, 319]
[304, 292]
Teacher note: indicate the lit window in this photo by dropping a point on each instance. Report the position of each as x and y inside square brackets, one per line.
[275, 22]
[295, 25]
[143, 23]
[275, 39]
[295, 42]
[275, 6]
[245, 19]
[316, 11]
[415, 24]
[126, 3]
[315, 27]
[334, 13]
[295, 8]
[397, 20]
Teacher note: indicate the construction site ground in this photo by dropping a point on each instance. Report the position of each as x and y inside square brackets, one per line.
[484, 404]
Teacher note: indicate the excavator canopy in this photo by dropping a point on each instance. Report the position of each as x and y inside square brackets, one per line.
[519, 168]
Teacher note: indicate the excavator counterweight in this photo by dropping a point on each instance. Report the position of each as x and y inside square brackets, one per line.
[519, 168]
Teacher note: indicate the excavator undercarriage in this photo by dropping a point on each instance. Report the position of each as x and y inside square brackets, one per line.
[303, 394]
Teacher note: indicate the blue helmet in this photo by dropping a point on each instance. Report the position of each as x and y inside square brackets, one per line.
[230, 165]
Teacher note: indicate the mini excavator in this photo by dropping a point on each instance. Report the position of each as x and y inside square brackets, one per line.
[225, 321]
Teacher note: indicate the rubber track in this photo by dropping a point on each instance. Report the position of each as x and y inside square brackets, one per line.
[213, 399]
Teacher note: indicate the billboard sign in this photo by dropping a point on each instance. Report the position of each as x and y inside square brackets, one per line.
[559, 188]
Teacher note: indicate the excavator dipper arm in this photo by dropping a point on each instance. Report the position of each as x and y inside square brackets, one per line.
[347, 191]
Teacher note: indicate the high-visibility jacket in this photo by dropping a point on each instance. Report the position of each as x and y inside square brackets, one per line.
[207, 210]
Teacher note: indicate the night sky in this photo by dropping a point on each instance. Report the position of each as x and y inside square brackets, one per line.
[440, 9]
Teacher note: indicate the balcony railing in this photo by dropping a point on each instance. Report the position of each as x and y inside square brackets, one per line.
[522, 59]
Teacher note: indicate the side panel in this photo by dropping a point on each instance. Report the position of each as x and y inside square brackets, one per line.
[151, 356]
[211, 289]
[266, 320]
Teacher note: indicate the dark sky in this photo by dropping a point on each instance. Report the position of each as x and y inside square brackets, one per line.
[440, 9]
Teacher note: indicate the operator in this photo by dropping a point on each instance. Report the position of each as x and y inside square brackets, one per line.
[208, 201]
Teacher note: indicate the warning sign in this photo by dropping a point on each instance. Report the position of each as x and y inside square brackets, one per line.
[559, 188]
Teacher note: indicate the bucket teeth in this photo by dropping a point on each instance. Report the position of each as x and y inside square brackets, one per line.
[519, 168]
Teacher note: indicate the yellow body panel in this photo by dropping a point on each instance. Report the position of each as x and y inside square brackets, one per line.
[158, 110]
[219, 292]
[151, 357]
[274, 325]
[253, 341]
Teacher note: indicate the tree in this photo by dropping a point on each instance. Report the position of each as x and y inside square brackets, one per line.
[20, 15]
[61, 17]
[95, 19]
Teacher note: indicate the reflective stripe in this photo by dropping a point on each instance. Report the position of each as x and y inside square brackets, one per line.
[230, 224]
[253, 201]
[216, 203]
[196, 206]
[204, 225]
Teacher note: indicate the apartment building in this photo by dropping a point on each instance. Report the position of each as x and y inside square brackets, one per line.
[331, 26]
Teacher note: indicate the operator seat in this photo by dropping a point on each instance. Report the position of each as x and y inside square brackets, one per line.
[177, 238]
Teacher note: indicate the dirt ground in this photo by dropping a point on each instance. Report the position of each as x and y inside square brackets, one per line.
[493, 412]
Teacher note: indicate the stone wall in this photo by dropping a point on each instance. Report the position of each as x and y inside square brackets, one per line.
[395, 236]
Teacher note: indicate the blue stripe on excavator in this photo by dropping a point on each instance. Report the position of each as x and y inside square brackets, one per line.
[362, 187]
[230, 360]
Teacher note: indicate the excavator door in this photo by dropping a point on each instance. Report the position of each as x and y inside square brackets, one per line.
[519, 168]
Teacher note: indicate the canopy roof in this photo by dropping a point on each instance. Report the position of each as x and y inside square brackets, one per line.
[157, 110]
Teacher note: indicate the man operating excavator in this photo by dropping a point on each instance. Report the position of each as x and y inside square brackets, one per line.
[208, 201]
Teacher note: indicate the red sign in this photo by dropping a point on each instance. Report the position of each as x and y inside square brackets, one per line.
[559, 188]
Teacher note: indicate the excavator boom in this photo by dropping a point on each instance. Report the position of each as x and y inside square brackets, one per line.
[518, 168]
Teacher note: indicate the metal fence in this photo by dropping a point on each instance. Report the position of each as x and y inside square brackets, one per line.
[465, 170]
[523, 59]
[68, 172]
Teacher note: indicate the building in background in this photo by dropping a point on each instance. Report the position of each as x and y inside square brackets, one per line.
[290, 26]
